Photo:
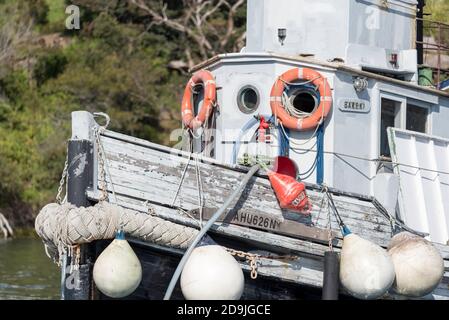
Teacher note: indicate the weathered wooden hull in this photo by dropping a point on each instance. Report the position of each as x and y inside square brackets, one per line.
[145, 177]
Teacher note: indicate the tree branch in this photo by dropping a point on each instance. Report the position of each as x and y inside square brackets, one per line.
[199, 21]
[230, 28]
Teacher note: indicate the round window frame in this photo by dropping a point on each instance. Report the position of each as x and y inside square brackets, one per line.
[308, 90]
[243, 108]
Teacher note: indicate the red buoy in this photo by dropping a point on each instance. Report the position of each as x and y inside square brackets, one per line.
[285, 165]
[290, 193]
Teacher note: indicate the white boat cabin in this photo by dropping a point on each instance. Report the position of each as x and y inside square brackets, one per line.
[366, 50]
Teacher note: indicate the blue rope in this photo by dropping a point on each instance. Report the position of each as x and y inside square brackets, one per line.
[284, 144]
[320, 155]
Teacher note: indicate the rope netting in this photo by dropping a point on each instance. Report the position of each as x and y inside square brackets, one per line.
[61, 226]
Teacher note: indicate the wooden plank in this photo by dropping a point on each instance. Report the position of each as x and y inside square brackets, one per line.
[265, 222]
[124, 155]
[377, 231]
[277, 243]
[143, 195]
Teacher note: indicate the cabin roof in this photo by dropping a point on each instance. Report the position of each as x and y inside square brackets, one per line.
[338, 66]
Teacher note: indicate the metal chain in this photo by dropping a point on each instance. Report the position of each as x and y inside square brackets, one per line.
[200, 190]
[102, 172]
[63, 178]
[329, 229]
[253, 265]
[77, 254]
[252, 259]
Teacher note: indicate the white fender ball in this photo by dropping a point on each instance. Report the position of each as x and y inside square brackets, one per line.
[418, 265]
[117, 271]
[211, 273]
[366, 269]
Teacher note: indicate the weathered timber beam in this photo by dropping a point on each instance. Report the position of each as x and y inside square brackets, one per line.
[147, 174]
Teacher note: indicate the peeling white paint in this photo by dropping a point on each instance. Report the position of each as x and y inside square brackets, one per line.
[82, 163]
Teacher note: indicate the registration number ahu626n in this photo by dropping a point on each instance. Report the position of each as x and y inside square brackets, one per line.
[255, 220]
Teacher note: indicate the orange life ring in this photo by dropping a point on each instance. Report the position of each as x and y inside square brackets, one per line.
[318, 115]
[210, 97]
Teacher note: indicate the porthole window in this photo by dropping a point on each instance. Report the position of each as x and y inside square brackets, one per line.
[303, 101]
[248, 99]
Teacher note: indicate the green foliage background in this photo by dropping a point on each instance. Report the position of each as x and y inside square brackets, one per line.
[437, 10]
[112, 64]
[116, 64]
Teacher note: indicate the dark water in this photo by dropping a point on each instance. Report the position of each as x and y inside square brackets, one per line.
[26, 272]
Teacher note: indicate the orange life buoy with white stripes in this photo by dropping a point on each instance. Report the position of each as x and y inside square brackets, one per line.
[210, 97]
[319, 114]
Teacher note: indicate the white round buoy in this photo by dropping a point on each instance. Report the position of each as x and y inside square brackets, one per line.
[418, 265]
[366, 269]
[211, 273]
[117, 271]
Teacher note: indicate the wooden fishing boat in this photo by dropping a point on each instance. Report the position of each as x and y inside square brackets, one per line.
[145, 177]
[354, 168]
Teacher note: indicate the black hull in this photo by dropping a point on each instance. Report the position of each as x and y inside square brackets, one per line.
[159, 264]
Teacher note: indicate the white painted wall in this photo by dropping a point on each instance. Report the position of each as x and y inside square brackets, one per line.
[373, 25]
[361, 32]
[301, 19]
[355, 134]
[440, 118]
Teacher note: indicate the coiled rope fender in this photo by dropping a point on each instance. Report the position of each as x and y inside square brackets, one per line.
[64, 225]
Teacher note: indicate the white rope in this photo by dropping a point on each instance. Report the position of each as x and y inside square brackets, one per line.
[338, 154]
[291, 110]
[299, 83]
[105, 162]
[295, 143]
[204, 131]
[200, 191]
[197, 137]
[183, 175]
[321, 206]
[300, 115]
[72, 226]
[104, 115]
[291, 142]
[288, 105]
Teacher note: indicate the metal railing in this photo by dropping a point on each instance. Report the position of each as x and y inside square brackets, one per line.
[440, 33]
